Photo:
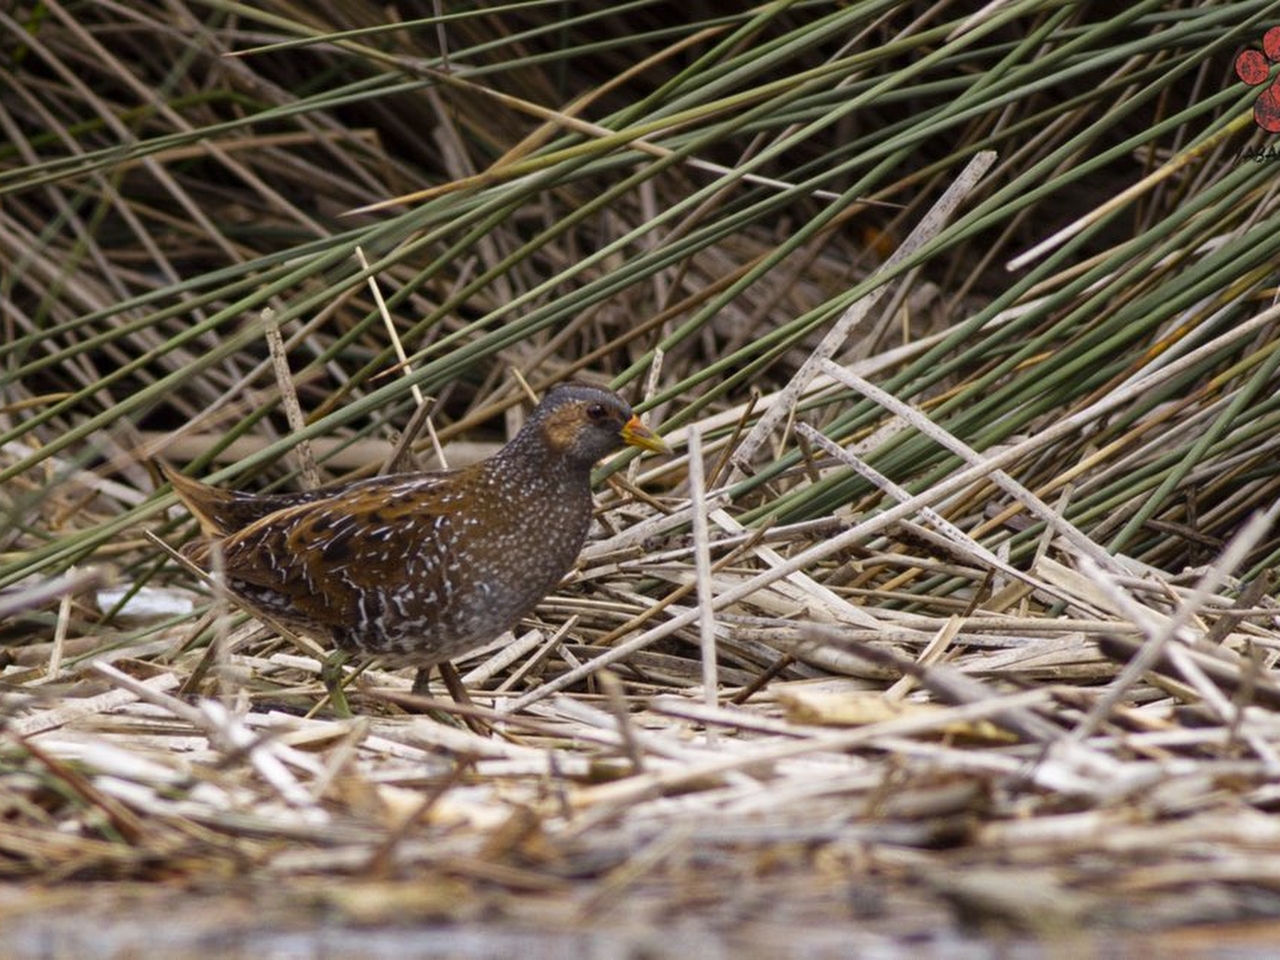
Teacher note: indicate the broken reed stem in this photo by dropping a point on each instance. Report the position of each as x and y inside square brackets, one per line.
[929, 227]
[392, 335]
[289, 397]
[702, 568]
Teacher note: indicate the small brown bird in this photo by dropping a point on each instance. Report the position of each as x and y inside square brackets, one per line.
[420, 568]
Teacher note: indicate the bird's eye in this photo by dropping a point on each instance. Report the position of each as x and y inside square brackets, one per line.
[597, 411]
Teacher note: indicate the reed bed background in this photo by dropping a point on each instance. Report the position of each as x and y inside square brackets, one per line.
[953, 614]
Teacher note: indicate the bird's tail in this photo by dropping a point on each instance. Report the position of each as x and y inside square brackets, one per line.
[207, 504]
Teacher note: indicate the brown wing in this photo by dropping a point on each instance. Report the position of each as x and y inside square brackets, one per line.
[222, 512]
[343, 563]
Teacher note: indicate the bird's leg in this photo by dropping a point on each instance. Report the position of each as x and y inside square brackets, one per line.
[334, 683]
[452, 683]
[422, 682]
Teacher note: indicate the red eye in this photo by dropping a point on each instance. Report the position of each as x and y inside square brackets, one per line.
[597, 411]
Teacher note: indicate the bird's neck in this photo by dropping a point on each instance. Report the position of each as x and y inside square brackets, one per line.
[528, 459]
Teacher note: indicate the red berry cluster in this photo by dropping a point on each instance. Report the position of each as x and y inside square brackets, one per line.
[1254, 68]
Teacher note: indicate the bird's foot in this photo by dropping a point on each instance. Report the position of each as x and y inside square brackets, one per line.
[331, 675]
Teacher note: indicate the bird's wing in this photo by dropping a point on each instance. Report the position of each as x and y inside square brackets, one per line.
[337, 560]
[222, 512]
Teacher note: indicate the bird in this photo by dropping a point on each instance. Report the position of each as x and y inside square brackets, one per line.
[420, 568]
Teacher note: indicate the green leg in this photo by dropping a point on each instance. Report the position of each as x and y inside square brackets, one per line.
[334, 683]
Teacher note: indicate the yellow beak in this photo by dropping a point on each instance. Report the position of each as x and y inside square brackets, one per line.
[636, 434]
